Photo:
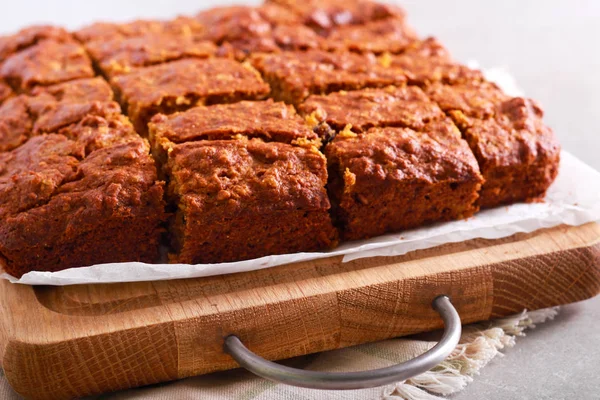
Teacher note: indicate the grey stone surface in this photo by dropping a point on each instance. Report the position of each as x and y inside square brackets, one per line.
[552, 49]
[558, 360]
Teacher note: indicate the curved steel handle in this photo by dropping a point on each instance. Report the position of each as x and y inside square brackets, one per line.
[354, 380]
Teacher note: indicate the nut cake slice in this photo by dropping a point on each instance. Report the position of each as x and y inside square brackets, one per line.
[392, 179]
[397, 163]
[268, 120]
[87, 195]
[264, 197]
[183, 84]
[518, 154]
[243, 199]
[293, 76]
[52, 108]
[46, 63]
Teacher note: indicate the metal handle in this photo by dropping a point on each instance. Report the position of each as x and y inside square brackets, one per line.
[354, 380]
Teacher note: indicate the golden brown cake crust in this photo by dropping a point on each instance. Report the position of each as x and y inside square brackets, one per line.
[269, 120]
[46, 63]
[123, 55]
[240, 30]
[102, 31]
[179, 85]
[293, 76]
[427, 61]
[266, 198]
[324, 15]
[391, 35]
[30, 36]
[52, 108]
[81, 90]
[405, 106]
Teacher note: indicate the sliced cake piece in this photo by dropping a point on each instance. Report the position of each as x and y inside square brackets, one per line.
[87, 195]
[405, 106]
[52, 108]
[325, 15]
[391, 35]
[517, 153]
[46, 63]
[180, 85]
[241, 30]
[104, 31]
[293, 76]
[268, 120]
[30, 36]
[427, 61]
[392, 179]
[244, 199]
[120, 55]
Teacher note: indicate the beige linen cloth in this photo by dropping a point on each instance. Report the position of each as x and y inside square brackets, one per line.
[479, 344]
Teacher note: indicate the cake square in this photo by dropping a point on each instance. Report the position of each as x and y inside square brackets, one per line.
[393, 179]
[244, 199]
[293, 76]
[384, 35]
[67, 201]
[240, 30]
[268, 120]
[30, 36]
[45, 63]
[518, 154]
[427, 61]
[325, 15]
[78, 91]
[405, 106]
[103, 31]
[180, 85]
[120, 55]
[52, 108]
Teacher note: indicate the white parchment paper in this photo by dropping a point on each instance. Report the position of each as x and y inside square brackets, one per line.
[574, 199]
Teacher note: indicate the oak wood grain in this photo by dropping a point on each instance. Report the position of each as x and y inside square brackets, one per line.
[65, 342]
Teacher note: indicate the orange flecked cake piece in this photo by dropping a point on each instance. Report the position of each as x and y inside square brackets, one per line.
[120, 55]
[268, 120]
[391, 35]
[293, 76]
[30, 36]
[180, 85]
[406, 106]
[428, 61]
[46, 63]
[244, 199]
[517, 153]
[240, 30]
[324, 15]
[76, 199]
[52, 108]
[104, 31]
[392, 179]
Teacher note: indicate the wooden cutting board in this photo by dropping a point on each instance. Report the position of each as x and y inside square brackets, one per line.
[64, 342]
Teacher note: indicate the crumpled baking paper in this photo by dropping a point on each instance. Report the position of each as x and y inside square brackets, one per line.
[574, 199]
